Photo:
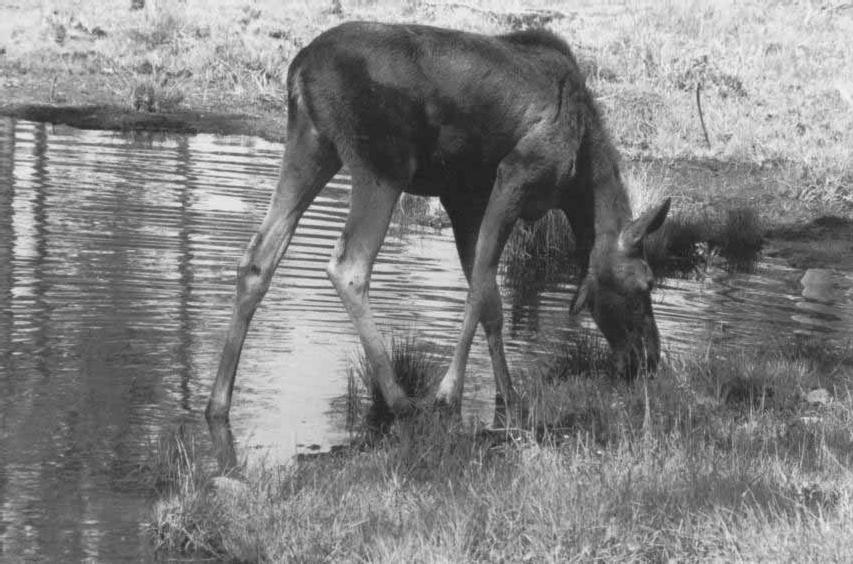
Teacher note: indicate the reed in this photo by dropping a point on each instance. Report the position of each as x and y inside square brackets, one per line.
[416, 370]
[539, 252]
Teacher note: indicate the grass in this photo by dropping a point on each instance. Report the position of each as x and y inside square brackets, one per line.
[539, 252]
[184, 515]
[774, 78]
[413, 214]
[674, 468]
[417, 370]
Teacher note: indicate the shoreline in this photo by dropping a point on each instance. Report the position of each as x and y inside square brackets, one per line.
[115, 118]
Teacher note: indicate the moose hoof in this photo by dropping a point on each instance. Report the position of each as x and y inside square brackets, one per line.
[446, 405]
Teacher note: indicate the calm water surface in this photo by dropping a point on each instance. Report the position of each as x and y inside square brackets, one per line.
[117, 263]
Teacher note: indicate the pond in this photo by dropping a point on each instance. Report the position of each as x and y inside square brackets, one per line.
[117, 269]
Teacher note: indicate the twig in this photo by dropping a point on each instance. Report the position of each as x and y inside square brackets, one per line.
[701, 117]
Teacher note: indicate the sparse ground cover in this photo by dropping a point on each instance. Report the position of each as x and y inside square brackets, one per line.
[724, 457]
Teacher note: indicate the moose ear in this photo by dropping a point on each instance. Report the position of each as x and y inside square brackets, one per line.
[648, 222]
[582, 297]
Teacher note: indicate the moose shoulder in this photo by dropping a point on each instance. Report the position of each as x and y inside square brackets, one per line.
[499, 128]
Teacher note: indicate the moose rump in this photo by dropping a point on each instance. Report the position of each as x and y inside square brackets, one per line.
[497, 127]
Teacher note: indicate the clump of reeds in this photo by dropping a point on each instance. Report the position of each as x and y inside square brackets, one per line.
[583, 354]
[414, 212]
[539, 252]
[152, 95]
[739, 237]
[416, 370]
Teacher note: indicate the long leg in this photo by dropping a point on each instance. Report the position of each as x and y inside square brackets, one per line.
[372, 203]
[309, 162]
[483, 302]
[466, 216]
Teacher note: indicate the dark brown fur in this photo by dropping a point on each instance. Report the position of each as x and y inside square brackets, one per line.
[498, 128]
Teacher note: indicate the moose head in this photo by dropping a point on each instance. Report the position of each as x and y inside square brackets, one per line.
[617, 290]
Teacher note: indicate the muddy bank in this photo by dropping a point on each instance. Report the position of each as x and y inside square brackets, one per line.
[122, 119]
[825, 242]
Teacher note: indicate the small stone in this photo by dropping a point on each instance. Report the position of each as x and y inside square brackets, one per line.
[231, 487]
[819, 396]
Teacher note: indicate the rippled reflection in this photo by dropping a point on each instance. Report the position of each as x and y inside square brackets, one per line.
[117, 270]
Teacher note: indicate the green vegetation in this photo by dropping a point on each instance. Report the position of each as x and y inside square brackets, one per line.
[729, 456]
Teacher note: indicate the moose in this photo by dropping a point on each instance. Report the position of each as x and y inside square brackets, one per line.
[498, 128]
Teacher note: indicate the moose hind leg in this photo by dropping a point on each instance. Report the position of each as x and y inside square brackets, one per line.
[372, 204]
[309, 162]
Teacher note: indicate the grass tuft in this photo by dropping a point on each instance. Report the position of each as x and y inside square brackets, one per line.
[416, 370]
[740, 236]
[539, 252]
[185, 519]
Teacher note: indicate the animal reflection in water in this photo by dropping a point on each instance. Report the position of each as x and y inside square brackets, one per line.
[498, 128]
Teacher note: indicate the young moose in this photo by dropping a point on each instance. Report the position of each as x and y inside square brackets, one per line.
[499, 128]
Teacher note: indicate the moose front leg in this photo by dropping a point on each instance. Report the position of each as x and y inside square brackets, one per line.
[484, 302]
[466, 215]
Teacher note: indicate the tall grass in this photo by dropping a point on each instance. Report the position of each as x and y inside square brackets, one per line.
[183, 519]
[672, 468]
[539, 252]
[416, 369]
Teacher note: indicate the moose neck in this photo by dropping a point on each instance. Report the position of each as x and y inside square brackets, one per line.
[612, 208]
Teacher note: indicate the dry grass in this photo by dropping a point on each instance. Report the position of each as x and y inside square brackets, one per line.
[775, 76]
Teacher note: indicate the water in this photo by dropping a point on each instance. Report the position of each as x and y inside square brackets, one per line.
[117, 262]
